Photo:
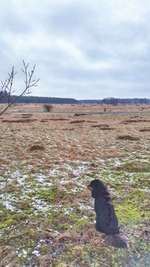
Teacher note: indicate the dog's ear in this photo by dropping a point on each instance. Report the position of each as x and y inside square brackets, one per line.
[95, 191]
[94, 188]
[98, 189]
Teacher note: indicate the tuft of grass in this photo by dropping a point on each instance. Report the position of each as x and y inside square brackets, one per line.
[11, 218]
[136, 166]
[51, 195]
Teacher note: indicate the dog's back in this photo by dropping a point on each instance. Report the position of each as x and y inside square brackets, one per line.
[106, 219]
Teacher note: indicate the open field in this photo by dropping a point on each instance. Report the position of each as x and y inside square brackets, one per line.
[46, 161]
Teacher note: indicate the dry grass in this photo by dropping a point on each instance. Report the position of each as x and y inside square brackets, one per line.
[83, 141]
[46, 163]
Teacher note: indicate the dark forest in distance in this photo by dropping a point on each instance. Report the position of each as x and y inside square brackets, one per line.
[57, 100]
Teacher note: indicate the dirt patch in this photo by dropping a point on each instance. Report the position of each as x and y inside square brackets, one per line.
[145, 130]
[128, 137]
[3, 162]
[68, 129]
[36, 147]
[53, 119]
[19, 120]
[102, 127]
[79, 114]
[26, 115]
[90, 121]
[77, 121]
[134, 121]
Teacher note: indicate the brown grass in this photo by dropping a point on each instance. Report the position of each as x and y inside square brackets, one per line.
[79, 143]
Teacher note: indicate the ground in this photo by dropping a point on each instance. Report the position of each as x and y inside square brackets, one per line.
[47, 160]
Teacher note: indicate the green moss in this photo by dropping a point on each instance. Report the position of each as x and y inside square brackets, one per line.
[73, 217]
[63, 226]
[61, 264]
[138, 197]
[44, 249]
[77, 222]
[50, 195]
[128, 213]
[50, 217]
[7, 222]
[85, 255]
[10, 218]
[81, 224]
[142, 181]
[28, 211]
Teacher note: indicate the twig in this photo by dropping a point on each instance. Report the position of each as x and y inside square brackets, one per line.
[7, 85]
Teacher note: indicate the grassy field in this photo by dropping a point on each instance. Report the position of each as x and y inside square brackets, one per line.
[46, 161]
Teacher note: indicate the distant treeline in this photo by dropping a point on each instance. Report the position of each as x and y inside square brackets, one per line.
[116, 101]
[4, 98]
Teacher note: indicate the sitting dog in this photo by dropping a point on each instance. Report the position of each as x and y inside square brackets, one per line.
[106, 219]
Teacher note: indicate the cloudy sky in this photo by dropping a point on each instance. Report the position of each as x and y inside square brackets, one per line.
[83, 49]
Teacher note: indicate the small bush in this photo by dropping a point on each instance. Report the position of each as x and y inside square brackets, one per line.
[47, 108]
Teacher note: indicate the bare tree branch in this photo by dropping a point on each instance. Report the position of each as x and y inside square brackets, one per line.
[7, 85]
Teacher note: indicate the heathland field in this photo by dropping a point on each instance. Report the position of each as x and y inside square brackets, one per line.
[47, 160]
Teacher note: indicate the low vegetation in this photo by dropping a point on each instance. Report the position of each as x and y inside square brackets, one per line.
[46, 211]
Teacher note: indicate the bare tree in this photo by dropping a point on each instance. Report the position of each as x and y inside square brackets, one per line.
[7, 90]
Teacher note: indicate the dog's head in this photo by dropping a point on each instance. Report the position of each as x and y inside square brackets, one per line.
[98, 189]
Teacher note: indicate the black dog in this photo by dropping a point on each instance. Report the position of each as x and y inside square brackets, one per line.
[106, 219]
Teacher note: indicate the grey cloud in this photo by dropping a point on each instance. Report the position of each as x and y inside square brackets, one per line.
[83, 49]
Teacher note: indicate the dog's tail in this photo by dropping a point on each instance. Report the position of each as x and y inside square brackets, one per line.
[117, 241]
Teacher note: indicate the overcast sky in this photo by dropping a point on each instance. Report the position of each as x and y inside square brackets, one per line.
[83, 49]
